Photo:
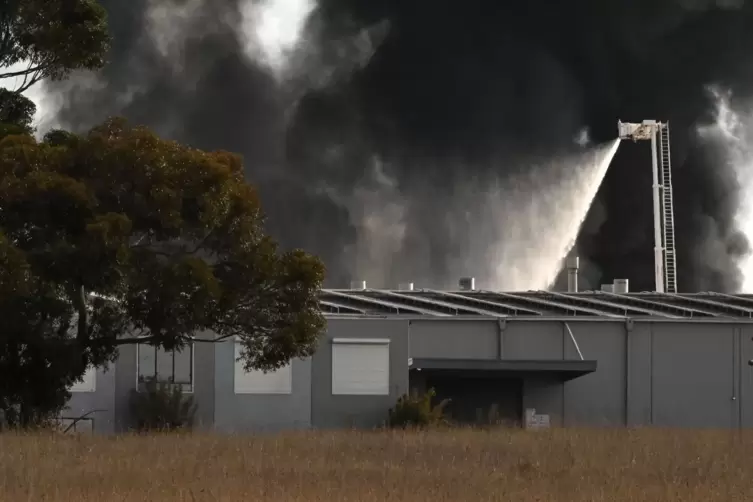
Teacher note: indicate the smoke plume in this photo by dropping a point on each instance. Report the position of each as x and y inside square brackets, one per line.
[391, 137]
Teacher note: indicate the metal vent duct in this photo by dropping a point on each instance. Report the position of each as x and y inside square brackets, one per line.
[621, 286]
[467, 283]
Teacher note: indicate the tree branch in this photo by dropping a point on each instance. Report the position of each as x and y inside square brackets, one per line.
[29, 82]
[82, 417]
[171, 249]
[79, 300]
[21, 73]
[150, 339]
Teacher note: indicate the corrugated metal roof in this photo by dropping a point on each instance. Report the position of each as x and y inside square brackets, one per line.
[428, 302]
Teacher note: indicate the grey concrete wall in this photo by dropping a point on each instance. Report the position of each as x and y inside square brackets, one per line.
[533, 340]
[638, 378]
[694, 375]
[335, 411]
[103, 398]
[681, 373]
[745, 344]
[204, 375]
[259, 412]
[454, 339]
[670, 374]
[598, 398]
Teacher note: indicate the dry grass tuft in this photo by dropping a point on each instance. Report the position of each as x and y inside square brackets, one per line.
[556, 465]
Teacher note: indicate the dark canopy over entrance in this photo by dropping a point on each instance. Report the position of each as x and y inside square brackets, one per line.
[562, 370]
[485, 391]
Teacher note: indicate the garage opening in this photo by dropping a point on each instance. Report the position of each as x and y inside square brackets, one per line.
[480, 400]
[485, 392]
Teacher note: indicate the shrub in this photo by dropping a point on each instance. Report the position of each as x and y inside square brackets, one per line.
[418, 410]
[161, 406]
[29, 418]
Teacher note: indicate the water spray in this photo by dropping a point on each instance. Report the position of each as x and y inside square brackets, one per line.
[518, 230]
[544, 212]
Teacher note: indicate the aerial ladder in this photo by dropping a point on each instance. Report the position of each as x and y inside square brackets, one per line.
[668, 212]
[665, 261]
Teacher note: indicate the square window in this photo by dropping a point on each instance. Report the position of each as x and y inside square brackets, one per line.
[167, 366]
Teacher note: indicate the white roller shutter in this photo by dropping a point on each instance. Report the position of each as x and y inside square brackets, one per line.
[88, 384]
[361, 366]
[258, 382]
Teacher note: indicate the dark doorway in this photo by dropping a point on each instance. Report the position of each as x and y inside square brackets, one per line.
[480, 400]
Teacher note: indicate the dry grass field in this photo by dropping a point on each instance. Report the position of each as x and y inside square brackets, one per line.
[457, 465]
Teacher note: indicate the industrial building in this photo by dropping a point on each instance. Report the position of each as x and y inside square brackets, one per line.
[543, 358]
[603, 358]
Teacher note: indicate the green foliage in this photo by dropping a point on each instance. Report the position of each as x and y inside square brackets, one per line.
[36, 365]
[118, 232]
[31, 417]
[161, 406]
[418, 410]
[58, 137]
[17, 110]
[38, 358]
[51, 38]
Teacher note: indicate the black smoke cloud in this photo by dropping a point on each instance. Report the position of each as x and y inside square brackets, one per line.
[379, 168]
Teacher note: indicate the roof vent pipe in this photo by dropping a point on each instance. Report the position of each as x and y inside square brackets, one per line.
[405, 286]
[358, 285]
[467, 283]
[572, 273]
[621, 286]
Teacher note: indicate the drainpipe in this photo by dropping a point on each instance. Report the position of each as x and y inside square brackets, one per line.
[501, 326]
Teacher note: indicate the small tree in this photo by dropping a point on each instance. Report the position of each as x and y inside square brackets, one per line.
[418, 410]
[120, 237]
[160, 406]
